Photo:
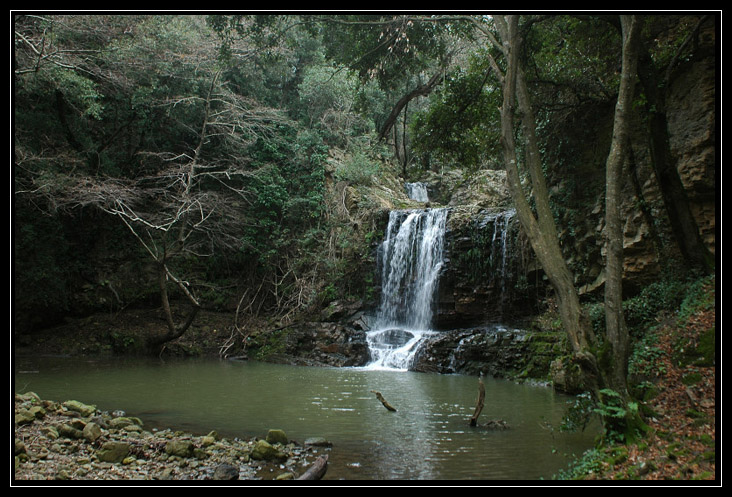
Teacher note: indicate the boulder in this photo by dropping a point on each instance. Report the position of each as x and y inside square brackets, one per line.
[91, 432]
[69, 431]
[226, 472]
[179, 448]
[83, 409]
[123, 422]
[276, 437]
[24, 417]
[317, 442]
[264, 451]
[113, 452]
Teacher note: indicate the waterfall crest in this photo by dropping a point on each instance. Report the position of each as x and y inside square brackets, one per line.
[411, 258]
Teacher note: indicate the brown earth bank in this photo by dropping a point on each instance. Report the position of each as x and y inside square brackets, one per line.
[680, 443]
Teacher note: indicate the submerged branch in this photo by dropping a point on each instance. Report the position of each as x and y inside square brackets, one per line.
[383, 401]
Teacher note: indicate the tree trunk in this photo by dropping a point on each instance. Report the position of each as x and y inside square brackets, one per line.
[156, 343]
[420, 91]
[540, 229]
[617, 333]
[317, 470]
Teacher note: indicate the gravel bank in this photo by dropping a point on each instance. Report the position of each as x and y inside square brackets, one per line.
[73, 441]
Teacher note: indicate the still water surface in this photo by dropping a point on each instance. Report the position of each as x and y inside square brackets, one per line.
[427, 438]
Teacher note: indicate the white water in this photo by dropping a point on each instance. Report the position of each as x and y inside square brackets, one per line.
[411, 257]
[417, 191]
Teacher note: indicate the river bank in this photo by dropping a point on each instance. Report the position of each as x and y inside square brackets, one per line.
[73, 441]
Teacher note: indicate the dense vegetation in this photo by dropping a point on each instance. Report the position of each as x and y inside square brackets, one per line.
[185, 159]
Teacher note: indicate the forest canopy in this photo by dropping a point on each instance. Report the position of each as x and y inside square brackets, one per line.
[199, 144]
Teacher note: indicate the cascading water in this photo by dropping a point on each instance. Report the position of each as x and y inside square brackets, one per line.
[411, 257]
[417, 191]
[500, 246]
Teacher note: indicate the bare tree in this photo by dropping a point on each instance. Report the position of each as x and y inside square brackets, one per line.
[195, 205]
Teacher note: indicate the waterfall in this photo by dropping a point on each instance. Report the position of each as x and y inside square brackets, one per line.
[411, 257]
[500, 246]
[417, 191]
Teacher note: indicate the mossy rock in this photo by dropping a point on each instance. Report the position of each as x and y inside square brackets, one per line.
[179, 448]
[85, 410]
[113, 452]
[276, 437]
[264, 451]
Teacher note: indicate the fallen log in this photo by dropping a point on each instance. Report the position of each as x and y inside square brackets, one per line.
[317, 470]
[479, 403]
[383, 400]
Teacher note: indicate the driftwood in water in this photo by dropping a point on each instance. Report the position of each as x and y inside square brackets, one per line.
[383, 400]
[479, 404]
[317, 470]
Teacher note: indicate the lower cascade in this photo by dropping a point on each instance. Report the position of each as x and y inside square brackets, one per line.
[410, 257]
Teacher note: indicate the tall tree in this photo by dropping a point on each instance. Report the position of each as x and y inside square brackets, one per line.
[617, 334]
[540, 227]
[655, 79]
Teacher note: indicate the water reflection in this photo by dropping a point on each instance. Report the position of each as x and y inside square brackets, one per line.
[426, 438]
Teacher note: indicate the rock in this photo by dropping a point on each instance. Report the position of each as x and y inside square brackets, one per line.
[180, 448]
[24, 416]
[226, 472]
[50, 432]
[37, 411]
[264, 451]
[318, 442]
[123, 422]
[276, 437]
[69, 431]
[28, 397]
[91, 432]
[113, 452]
[565, 378]
[83, 409]
[207, 441]
[62, 474]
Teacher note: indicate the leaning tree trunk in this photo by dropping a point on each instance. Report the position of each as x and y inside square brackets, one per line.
[420, 91]
[540, 229]
[156, 343]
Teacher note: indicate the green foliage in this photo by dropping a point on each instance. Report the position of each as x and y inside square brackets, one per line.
[461, 125]
[578, 57]
[383, 47]
[646, 359]
[656, 297]
[358, 169]
[612, 405]
[579, 413]
[620, 417]
[700, 296]
[591, 461]
[642, 310]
